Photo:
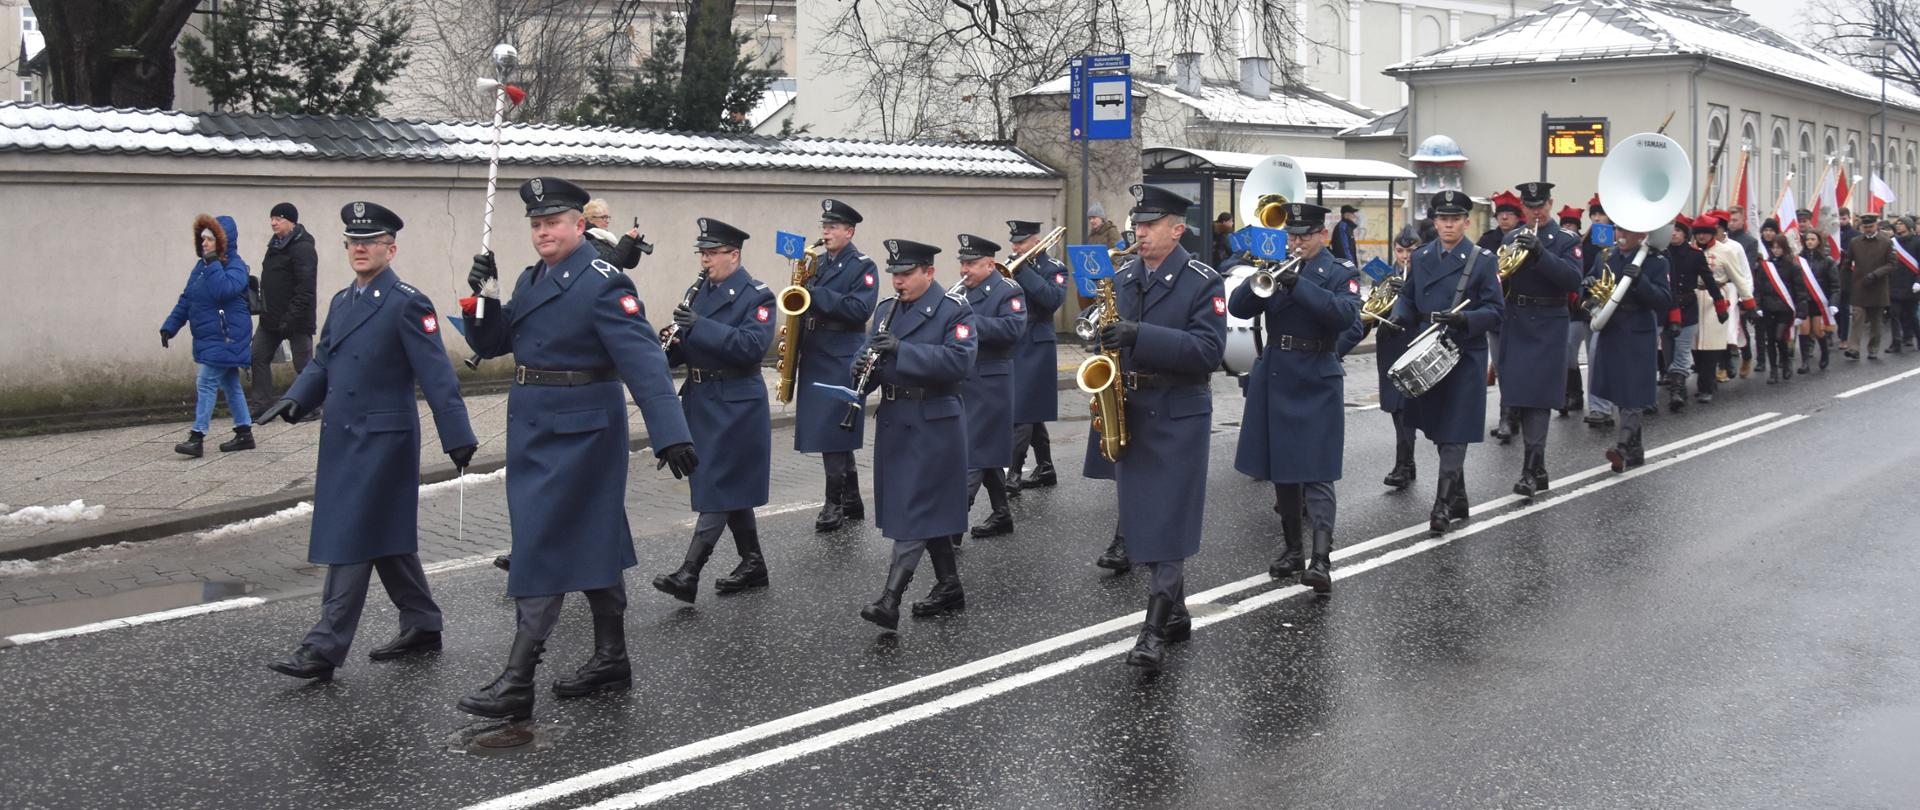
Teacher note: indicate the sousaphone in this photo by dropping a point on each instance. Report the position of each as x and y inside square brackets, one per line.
[1644, 182]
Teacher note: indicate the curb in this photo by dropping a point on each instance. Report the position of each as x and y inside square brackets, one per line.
[207, 517]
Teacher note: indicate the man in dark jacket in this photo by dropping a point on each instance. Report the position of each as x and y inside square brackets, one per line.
[286, 292]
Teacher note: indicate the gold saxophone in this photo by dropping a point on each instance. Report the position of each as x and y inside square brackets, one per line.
[793, 302]
[1099, 375]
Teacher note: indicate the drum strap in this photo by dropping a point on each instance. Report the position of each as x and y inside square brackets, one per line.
[1466, 273]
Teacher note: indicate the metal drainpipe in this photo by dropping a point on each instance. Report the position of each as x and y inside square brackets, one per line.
[1693, 114]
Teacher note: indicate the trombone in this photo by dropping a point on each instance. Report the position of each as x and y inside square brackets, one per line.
[1012, 267]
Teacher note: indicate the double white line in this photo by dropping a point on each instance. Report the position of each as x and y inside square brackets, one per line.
[1710, 441]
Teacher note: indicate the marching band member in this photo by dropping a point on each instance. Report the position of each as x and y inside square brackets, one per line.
[999, 322]
[1036, 369]
[1293, 432]
[843, 292]
[1388, 345]
[579, 332]
[1444, 274]
[1171, 332]
[1626, 362]
[920, 348]
[720, 337]
[1533, 331]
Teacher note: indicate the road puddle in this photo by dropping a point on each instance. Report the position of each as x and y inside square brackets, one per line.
[64, 613]
[492, 738]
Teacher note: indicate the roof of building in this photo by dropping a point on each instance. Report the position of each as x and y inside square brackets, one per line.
[780, 93]
[1385, 126]
[1291, 106]
[1317, 169]
[1586, 30]
[102, 130]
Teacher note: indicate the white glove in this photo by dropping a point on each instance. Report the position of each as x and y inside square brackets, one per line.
[1916, 286]
[1835, 311]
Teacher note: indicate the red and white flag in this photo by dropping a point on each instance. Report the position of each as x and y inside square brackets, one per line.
[1774, 278]
[1833, 245]
[1740, 190]
[1787, 214]
[1879, 194]
[1813, 286]
[1900, 252]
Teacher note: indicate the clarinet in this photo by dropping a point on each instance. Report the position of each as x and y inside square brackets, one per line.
[868, 361]
[670, 336]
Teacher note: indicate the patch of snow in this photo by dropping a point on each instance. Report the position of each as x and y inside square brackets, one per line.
[287, 515]
[471, 479]
[16, 568]
[42, 515]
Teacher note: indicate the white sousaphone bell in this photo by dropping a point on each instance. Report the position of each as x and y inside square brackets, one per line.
[1272, 183]
[1644, 182]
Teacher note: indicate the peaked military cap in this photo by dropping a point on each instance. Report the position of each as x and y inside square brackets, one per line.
[714, 233]
[974, 247]
[365, 220]
[551, 195]
[1156, 202]
[1305, 217]
[837, 211]
[1536, 192]
[1018, 229]
[1449, 202]
[904, 255]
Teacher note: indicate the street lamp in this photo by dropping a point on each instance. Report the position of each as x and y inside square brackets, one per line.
[1882, 45]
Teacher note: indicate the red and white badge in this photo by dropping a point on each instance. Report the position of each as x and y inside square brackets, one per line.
[1576, 251]
[1018, 304]
[1353, 285]
[868, 278]
[1059, 278]
[762, 314]
[630, 304]
[430, 323]
[962, 331]
[1219, 305]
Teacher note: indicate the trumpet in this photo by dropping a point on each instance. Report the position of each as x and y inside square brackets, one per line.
[793, 301]
[670, 334]
[1267, 276]
[1012, 267]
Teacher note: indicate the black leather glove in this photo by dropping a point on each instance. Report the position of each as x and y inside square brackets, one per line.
[1288, 279]
[483, 271]
[164, 337]
[683, 315]
[679, 458]
[285, 410]
[1527, 241]
[1631, 270]
[884, 343]
[1722, 315]
[1454, 319]
[462, 456]
[1119, 334]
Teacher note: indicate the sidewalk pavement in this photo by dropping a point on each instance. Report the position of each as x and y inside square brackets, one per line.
[148, 491]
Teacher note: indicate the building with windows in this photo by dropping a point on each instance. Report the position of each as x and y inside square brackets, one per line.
[17, 20]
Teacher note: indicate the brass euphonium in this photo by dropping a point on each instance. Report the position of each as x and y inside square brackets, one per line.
[1100, 376]
[793, 302]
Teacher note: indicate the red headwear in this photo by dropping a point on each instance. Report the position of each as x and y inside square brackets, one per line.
[1570, 214]
[1506, 200]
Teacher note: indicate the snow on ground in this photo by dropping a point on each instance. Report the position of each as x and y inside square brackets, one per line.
[62, 513]
[287, 515]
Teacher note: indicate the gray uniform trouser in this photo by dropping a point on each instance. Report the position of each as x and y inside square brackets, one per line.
[1453, 457]
[1320, 503]
[538, 614]
[1169, 580]
[344, 596]
[1031, 435]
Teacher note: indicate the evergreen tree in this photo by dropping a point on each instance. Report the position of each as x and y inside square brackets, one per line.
[714, 94]
[320, 57]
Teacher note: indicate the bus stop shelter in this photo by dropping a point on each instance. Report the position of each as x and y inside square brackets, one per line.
[1198, 173]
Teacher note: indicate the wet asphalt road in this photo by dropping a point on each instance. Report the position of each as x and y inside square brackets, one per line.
[1731, 628]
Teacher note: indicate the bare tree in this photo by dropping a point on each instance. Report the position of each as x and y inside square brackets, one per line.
[946, 69]
[1848, 28]
[559, 41]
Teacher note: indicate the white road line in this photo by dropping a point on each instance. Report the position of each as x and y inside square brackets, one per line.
[673, 756]
[1870, 386]
[144, 618]
[791, 751]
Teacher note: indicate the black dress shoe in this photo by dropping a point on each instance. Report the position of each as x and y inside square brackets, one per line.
[1150, 650]
[1043, 476]
[608, 669]
[1013, 483]
[995, 525]
[194, 446]
[1115, 557]
[304, 663]
[510, 695]
[410, 640]
[503, 562]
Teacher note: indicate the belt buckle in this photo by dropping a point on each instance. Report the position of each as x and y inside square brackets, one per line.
[520, 375]
[1130, 379]
[693, 375]
[889, 393]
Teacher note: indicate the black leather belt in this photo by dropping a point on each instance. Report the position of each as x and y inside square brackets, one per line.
[1289, 343]
[994, 356]
[826, 325]
[1136, 381]
[535, 376]
[717, 374]
[916, 392]
[1538, 301]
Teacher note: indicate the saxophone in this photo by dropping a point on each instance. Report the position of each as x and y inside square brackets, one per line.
[1099, 375]
[793, 302]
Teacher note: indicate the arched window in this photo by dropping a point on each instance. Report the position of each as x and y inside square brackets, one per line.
[1427, 34]
[1913, 181]
[1716, 135]
[1806, 155]
[1781, 160]
[1327, 55]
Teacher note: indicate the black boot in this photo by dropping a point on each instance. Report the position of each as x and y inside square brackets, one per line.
[947, 595]
[1806, 355]
[503, 562]
[608, 669]
[1504, 429]
[242, 440]
[1115, 557]
[1013, 482]
[1291, 560]
[851, 506]
[684, 583]
[1043, 476]
[1440, 519]
[1403, 472]
[1786, 362]
[752, 570]
[1150, 651]
[194, 446]
[998, 523]
[1576, 396]
[510, 695]
[1773, 375]
[1180, 624]
[1319, 575]
[1528, 485]
[885, 611]
[1457, 505]
[830, 512]
[409, 641]
[304, 663]
[1636, 452]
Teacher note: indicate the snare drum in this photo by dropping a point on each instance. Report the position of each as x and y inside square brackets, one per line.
[1243, 334]
[1424, 365]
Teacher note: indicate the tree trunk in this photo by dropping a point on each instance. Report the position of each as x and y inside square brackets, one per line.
[704, 73]
[112, 53]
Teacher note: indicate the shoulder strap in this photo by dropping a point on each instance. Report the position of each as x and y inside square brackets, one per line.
[1466, 273]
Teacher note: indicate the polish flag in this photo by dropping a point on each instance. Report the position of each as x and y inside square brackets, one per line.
[1879, 195]
[1740, 192]
[1785, 214]
[1833, 245]
[1842, 191]
[1826, 195]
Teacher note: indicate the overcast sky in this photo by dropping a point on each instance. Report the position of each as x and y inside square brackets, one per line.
[1781, 15]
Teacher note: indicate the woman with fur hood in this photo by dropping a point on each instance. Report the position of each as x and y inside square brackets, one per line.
[214, 304]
